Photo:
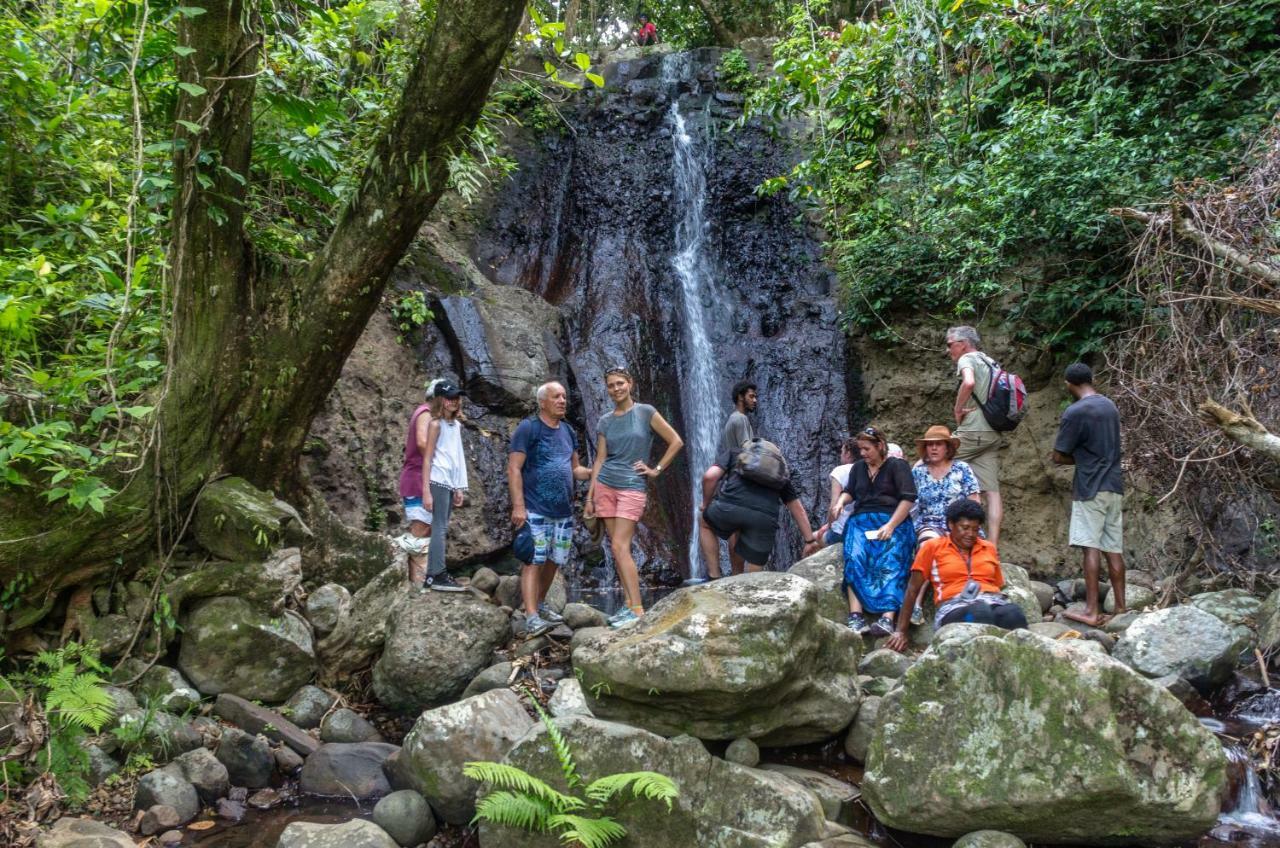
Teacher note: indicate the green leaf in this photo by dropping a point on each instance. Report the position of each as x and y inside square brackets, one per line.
[582, 60]
[138, 411]
[190, 126]
[191, 11]
[595, 79]
[193, 89]
[183, 51]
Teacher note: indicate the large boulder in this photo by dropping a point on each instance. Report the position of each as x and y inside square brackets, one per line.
[164, 688]
[1268, 618]
[435, 644]
[1039, 738]
[68, 832]
[347, 770]
[231, 646]
[356, 833]
[825, 569]
[265, 583]
[720, 803]
[236, 521]
[161, 787]
[358, 636]
[1185, 640]
[406, 817]
[751, 655]
[442, 740]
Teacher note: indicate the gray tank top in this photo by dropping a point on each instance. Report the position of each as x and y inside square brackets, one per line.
[628, 438]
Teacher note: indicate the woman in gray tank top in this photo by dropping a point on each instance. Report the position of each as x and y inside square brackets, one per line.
[620, 475]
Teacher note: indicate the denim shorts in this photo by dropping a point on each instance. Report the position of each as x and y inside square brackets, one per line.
[414, 511]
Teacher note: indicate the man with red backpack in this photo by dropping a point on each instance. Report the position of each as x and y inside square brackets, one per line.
[979, 435]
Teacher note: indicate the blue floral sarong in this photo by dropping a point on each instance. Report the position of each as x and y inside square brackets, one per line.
[877, 571]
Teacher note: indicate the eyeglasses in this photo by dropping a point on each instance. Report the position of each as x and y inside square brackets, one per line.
[873, 433]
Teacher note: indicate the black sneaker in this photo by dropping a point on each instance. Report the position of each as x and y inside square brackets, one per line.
[443, 582]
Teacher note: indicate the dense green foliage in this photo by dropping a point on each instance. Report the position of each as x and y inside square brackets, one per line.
[968, 150]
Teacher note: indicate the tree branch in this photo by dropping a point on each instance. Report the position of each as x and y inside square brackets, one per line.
[1242, 429]
[1220, 249]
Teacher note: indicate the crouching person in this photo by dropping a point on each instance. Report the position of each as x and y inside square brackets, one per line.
[965, 572]
[748, 507]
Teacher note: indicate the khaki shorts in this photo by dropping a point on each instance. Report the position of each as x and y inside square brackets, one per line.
[1098, 523]
[982, 452]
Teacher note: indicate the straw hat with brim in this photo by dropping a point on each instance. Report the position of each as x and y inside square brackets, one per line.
[936, 433]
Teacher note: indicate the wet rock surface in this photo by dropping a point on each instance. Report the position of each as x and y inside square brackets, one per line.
[1186, 641]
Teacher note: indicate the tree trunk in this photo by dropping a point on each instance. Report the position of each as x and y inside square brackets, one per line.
[255, 352]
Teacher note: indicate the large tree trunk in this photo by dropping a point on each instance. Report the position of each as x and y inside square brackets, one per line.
[254, 351]
[1242, 429]
[724, 36]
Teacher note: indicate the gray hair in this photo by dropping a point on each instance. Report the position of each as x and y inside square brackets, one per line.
[546, 387]
[964, 333]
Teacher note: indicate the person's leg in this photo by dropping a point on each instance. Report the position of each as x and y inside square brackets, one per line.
[977, 612]
[1115, 570]
[1092, 608]
[995, 515]
[531, 573]
[418, 562]
[736, 562]
[442, 506]
[620, 542]
[710, 547]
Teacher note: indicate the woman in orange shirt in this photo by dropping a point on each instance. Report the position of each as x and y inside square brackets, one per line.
[965, 573]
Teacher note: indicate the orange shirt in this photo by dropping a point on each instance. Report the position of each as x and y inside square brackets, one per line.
[942, 564]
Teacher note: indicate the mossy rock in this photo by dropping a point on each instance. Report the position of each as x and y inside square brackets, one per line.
[235, 520]
[228, 645]
[1042, 739]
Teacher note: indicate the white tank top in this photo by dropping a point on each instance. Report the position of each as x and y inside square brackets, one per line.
[448, 464]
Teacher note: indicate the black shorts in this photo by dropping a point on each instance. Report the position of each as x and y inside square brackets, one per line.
[756, 530]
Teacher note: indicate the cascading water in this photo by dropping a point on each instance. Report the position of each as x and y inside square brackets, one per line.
[695, 270]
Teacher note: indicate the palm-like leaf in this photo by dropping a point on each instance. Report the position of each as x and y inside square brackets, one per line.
[563, 755]
[512, 809]
[643, 784]
[79, 699]
[504, 776]
[590, 833]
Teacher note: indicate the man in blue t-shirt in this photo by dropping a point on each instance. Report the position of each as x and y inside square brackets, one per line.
[541, 468]
[1089, 439]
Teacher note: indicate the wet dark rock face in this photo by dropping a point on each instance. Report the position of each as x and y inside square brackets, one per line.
[588, 223]
[566, 270]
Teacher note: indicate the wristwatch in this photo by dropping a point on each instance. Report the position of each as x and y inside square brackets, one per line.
[658, 468]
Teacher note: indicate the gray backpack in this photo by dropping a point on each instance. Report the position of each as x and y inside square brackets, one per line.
[761, 462]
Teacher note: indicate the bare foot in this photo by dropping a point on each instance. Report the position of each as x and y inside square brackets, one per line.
[1094, 620]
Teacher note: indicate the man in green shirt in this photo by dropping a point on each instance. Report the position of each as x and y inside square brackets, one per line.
[979, 442]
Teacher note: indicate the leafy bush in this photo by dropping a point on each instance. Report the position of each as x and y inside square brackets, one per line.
[968, 150]
[734, 73]
[520, 800]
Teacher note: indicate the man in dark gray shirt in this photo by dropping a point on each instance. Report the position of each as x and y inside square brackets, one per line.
[1089, 439]
[737, 429]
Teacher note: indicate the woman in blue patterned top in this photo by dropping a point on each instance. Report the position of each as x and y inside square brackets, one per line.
[940, 479]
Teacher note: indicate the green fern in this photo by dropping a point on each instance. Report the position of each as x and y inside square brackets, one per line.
[648, 785]
[520, 800]
[79, 699]
[590, 833]
[504, 776]
[511, 809]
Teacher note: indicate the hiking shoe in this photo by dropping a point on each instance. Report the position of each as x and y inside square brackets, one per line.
[443, 582]
[548, 614]
[618, 614]
[882, 628]
[917, 616]
[623, 618]
[857, 623]
[536, 625]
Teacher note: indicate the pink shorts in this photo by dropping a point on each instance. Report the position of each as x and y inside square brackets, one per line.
[619, 503]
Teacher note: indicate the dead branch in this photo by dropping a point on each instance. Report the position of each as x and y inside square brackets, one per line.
[1242, 429]
[1218, 248]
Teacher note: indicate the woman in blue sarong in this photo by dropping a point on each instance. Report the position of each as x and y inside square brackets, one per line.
[879, 539]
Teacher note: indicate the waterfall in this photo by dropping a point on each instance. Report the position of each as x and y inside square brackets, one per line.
[695, 270]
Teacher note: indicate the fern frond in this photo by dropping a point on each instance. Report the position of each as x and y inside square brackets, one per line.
[511, 809]
[558, 744]
[79, 699]
[590, 833]
[643, 784]
[504, 776]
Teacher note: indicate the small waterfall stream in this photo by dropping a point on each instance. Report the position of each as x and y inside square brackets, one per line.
[694, 268]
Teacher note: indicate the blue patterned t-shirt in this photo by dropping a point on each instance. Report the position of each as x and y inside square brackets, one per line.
[548, 467]
[934, 496]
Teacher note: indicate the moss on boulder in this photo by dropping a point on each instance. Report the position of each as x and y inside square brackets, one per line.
[1035, 737]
